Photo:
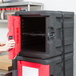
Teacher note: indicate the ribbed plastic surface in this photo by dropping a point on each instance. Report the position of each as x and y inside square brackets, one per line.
[41, 33]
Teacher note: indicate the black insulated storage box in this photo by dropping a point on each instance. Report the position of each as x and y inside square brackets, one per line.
[41, 33]
[46, 43]
[56, 64]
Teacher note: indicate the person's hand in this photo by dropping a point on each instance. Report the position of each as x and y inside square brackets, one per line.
[9, 45]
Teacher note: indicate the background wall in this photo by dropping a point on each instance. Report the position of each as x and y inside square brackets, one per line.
[62, 5]
[66, 5]
[3, 31]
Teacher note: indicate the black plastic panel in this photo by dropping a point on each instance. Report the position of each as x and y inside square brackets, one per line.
[56, 64]
[41, 33]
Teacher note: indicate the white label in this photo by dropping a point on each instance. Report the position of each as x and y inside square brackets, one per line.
[28, 71]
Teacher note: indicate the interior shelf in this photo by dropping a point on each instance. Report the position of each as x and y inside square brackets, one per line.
[32, 34]
[33, 31]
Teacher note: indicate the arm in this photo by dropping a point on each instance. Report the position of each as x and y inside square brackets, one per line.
[2, 49]
[8, 45]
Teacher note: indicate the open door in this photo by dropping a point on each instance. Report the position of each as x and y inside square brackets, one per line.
[14, 33]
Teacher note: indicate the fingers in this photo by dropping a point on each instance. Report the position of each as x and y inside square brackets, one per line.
[10, 44]
[11, 47]
[11, 41]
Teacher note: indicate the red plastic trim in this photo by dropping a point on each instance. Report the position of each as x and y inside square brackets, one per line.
[8, 8]
[43, 69]
[3, 9]
[0, 9]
